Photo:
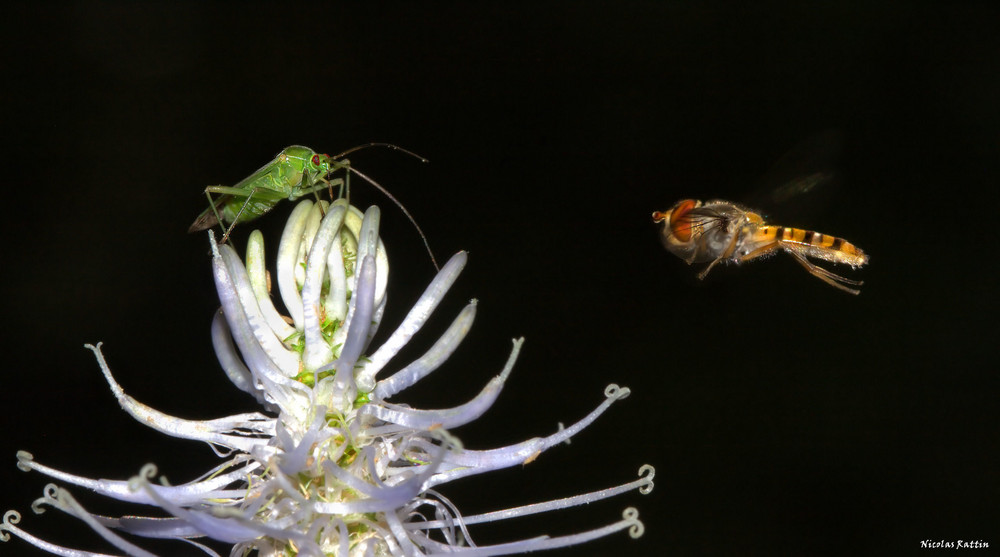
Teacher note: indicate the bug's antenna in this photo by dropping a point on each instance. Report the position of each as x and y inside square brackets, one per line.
[378, 144]
[401, 208]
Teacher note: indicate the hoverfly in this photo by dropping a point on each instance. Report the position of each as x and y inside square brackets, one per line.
[719, 230]
[723, 231]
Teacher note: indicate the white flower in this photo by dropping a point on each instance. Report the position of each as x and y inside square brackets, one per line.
[333, 467]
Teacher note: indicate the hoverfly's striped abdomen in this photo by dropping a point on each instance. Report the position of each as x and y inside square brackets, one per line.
[813, 244]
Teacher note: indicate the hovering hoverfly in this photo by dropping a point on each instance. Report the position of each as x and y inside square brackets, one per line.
[719, 230]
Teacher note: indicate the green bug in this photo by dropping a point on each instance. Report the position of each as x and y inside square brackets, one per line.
[295, 172]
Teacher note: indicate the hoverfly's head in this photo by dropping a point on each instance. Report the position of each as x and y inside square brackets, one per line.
[677, 233]
[677, 220]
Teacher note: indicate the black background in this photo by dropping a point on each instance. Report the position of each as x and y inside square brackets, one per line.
[783, 416]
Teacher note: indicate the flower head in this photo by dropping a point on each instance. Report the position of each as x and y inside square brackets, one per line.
[333, 466]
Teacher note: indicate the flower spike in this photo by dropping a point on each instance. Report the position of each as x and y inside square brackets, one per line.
[330, 467]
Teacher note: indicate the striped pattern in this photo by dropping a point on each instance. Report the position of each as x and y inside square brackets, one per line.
[812, 241]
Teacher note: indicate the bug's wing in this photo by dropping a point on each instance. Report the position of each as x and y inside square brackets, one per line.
[207, 218]
[804, 177]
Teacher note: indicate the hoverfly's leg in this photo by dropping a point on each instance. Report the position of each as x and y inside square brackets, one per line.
[236, 219]
[763, 250]
[704, 272]
[725, 255]
[826, 276]
[752, 255]
[732, 246]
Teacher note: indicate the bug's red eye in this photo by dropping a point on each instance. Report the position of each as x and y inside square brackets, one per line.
[315, 160]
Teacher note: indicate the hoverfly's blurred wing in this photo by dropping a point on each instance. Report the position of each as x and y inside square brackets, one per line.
[808, 168]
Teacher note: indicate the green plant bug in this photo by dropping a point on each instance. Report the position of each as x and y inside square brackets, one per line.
[295, 172]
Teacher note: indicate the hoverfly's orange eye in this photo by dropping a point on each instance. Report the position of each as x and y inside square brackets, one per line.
[680, 222]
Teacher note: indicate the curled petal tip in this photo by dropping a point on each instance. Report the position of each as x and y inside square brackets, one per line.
[636, 529]
[24, 460]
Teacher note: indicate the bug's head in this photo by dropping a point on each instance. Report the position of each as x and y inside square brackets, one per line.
[321, 162]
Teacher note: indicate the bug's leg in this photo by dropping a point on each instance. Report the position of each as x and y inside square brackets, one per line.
[236, 192]
[205, 221]
[826, 276]
[344, 183]
[310, 178]
[210, 216]
[329, 186]
[345, 187]
[326, 184]
[339, 183]
[215, 210]
[236, 219]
